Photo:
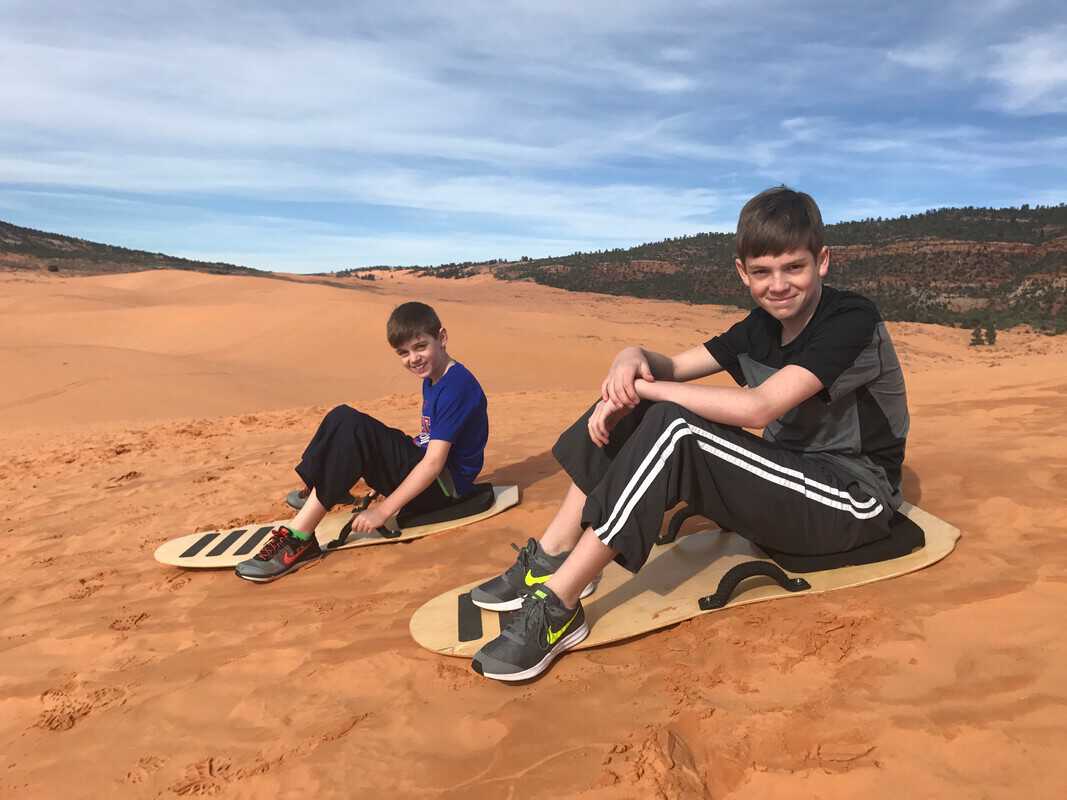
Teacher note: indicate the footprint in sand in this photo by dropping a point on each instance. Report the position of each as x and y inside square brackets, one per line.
[67, 705]
[128, 623]
[146, 765]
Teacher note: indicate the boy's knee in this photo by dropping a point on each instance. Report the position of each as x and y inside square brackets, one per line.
[344, 415]
[665, 412]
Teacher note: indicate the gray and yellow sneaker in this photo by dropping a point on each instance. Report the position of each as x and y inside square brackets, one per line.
[283, 553]
[532, 567]
[541, 630]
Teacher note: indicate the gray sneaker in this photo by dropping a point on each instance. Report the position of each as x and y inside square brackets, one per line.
[283, 553]
[532, 567]
[298, 497]
[543, 629]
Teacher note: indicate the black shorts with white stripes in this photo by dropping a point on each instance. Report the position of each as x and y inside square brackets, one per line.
[662, 454]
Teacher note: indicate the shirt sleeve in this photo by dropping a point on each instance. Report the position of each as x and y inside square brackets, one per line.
[726, 347]
[838, 343]
[453, 408]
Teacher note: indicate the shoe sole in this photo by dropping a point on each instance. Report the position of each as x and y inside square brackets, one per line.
[516, 604]
[566, 643]
[506, 605]
[271, 578]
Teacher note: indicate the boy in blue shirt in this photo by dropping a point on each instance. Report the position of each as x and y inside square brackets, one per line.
[419, 474]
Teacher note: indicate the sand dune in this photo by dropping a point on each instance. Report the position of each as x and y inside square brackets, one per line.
[137, 407]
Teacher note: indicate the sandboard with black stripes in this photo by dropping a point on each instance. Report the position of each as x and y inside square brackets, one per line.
[227, 548]
[694, 575]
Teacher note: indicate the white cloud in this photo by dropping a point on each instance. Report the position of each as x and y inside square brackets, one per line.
[568, 124]
[1028, 73]
[1032, 72]
[933, 56]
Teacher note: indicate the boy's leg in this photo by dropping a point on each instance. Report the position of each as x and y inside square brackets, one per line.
[565, 529]
[587, 559]
[786, 500]
[351, 445]
[538, 560]
[585, 463]
[310, 514]
[348, 445]
[791, 501]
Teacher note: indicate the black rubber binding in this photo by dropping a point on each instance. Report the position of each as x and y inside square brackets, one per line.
[470, 619]
[677, 521]
[342, 537]
[750, 569]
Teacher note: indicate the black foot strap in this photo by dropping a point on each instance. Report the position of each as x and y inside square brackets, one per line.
[470, 619]
[678, 520]
[750, 569]
[342, 537]
[676, 523]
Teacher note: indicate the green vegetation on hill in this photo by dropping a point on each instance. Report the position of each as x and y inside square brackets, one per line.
[960, 266]
[1027, 224]
[26, 248]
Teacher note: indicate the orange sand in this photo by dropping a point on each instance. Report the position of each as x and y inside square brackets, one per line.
[138, 407]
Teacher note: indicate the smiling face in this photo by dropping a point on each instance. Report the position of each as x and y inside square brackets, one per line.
[787, 286]
[425, 356]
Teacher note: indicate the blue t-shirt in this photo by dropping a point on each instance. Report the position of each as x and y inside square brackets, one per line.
[455, 410]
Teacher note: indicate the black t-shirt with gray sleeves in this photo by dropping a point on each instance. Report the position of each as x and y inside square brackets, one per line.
[859, 421]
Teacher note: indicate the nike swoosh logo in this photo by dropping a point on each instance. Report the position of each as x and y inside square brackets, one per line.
[532, 581]
[553, 636]
[289, 559]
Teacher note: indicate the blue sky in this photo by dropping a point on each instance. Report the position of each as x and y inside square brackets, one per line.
[318, 136]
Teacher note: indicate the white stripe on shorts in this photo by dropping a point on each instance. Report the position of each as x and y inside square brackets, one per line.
[727, 451]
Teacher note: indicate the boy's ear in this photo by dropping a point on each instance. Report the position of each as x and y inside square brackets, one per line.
[442, 337]
[823, 262]
[741, 271]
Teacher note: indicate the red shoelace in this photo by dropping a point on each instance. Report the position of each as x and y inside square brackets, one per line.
[274, 544]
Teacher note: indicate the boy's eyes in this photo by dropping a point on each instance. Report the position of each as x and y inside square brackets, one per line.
[762, 273]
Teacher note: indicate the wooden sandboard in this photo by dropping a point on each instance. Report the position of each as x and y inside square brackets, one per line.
[213, 549]
[667, 590]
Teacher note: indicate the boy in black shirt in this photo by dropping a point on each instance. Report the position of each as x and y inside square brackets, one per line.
[820, 376]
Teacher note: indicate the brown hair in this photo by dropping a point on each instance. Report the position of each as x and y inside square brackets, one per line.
[408, 320]
[776, 221]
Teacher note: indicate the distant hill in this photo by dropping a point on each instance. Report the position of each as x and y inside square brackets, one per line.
[956, 266]
[26, 248]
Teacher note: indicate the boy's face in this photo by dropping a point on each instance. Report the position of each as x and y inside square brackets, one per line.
[424, 355]
[786, 286]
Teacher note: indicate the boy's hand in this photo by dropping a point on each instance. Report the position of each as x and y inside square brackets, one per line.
[618, 387]
[370, 520]
[603, 420]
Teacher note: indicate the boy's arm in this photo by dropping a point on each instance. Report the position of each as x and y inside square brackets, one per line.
[421, 476]
[635, 363]
[734, 405]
